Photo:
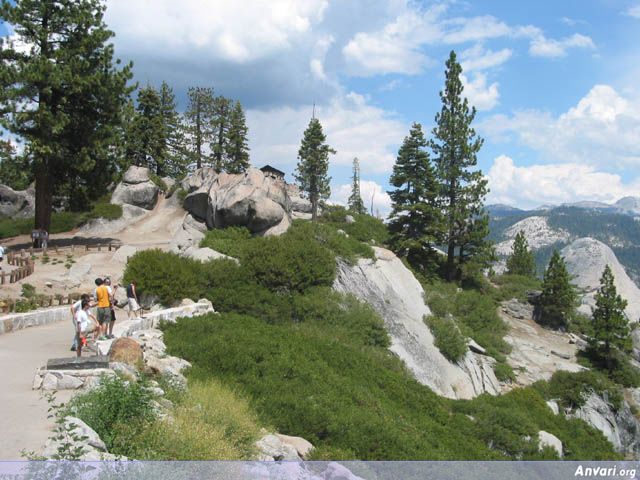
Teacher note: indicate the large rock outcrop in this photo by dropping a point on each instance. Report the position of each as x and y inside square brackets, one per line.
[586, 259]
[136, 189]
[262, 203]
[620, 427]
[17, 203]
[392, 290]
[537, 231]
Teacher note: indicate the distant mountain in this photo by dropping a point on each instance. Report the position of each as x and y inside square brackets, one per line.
[557, 227]
[624, 206]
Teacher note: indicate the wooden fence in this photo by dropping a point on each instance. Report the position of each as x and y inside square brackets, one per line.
[8, 306]
[26, 266]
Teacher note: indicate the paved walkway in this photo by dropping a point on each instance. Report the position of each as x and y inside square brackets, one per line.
[23, 412]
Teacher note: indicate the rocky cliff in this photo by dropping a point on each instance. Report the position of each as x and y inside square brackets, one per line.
[586, 259]
[392, 290]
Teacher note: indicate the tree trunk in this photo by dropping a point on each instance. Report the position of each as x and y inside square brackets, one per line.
[314, 206]
[44, 198]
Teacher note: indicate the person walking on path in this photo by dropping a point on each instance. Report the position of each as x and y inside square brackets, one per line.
[112, 306]
[75, 308]
[132, 298]
[84, 326]
[104, 296]
[1, 255]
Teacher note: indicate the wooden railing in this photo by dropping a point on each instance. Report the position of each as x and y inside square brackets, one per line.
[26, 266]
[8, 306]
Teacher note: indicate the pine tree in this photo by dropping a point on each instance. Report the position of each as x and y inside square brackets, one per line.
[610, 325]
[415, 222]
[198, 119]
[355, 202]
[220, 132]
[147, 133]
[237, 149]
[558, 299]
[64, 96]
[521, 261]
[313, 164]
[171, 157]
[455, 147]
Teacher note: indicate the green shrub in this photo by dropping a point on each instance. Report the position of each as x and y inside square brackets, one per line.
[28, 290]
[167, 275]
[359, 402]
[447, 337]
[173, 189]
[365, 228]
[571, 389]
[291, 263]
[158, 181]
[106, 210]
[504, 372]
[12, 227]
[113, 403]
[230, 241]
[182, 194]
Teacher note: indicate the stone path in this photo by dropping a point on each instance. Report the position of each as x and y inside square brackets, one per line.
[23, 412]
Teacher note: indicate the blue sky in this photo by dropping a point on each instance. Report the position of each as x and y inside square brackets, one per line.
[555, 83]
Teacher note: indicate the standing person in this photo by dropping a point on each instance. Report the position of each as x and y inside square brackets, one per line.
[1, 255]
[132, 297]
[75, 308]
[103, 295]
[112, 306]
[45, 238]
[83, 325]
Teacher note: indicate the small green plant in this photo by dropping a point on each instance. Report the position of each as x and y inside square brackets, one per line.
[28, 290]
[447, 336]
[67, 266]
[230, 241]
[182, 194]
[159, 182]
[504, 372]
[45, 259]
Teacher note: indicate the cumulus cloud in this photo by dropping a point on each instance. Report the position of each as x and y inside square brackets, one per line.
[556, 183]
[371, 193]
[541, 46]
[602, 130]
[480, 95]
[352, 126]
[476, 58]
[461, 29]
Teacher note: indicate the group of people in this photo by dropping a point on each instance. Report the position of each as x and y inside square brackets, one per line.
[102, 325]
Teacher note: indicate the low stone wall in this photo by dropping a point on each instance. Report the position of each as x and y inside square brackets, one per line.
[35, 318]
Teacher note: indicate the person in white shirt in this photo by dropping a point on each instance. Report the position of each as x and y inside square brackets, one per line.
[75, 308]
[1, 255]
[84, 326]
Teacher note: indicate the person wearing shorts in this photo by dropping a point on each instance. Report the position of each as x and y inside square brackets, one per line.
[75, 308]
[84, 326]
[112, 306]
[132, 299]
[103, 296]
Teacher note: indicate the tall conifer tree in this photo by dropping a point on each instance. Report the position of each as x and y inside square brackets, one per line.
[455, 147]
[171, 158]
[355, 202]
[198, 123]
[559, 298]
[237, 148]
[416, 221]
[610, 324]
[521, 261]
[63, 95]
[313, 165]
[220, 132]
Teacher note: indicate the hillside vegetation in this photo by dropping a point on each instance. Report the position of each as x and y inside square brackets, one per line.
[314, 363]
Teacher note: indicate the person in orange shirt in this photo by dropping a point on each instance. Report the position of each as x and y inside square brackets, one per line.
[104, 296]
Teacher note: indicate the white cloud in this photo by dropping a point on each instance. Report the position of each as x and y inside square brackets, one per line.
[395, 48]
[476, 58]
[352, 126]
[370, 192]
[480, 95]
[475, 28]
[542, 46]
[228, 30]
[602, 130]
[634, 11]
[573, 21]
[557, 183]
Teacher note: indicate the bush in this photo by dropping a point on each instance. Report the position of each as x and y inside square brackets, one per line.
[572, 389]
[504, 372]
[106, 210]
[211, 422]
[12, 227]
[112, 404]
[291, 263]
[167, 275]
[514, 286]
[447, 336]
[28, 290]
[230, 241]
[365, 228]
[182, 194]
